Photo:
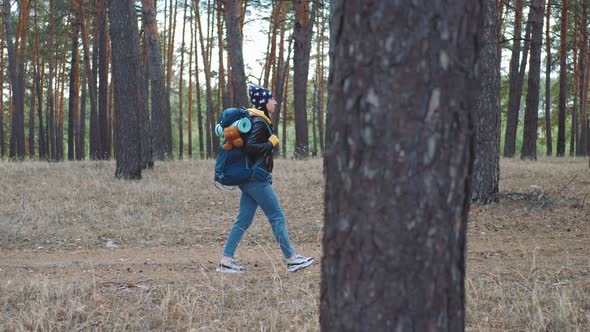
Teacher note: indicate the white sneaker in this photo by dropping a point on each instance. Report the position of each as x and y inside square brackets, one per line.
[231, 267]
[299, 262]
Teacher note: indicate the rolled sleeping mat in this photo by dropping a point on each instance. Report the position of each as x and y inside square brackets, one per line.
[219, 130]
[244, 125]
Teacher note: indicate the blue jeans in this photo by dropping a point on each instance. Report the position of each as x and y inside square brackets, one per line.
[254, 194]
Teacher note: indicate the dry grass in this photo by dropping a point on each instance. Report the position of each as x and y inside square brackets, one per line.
[528, 268]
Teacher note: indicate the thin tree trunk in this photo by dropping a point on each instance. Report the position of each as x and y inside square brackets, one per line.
[95, 145]
[32, 108]
[394, 253]
[74, 102]
[548, 81]
[562, 81]
[81, 130]
[273, 31]
[222, 91]
[16, 71]
[171, 35]
[198, 88]
[321, 95]
[280, 72]
[60, 122]
[190, 92]
[103, 80]
[212, 142]
[43, 142]
[180, 88]
[2, 139]
[576, 63]
[304, 21]
[513, 101]
[582, 147]
[234, 40]
[160, 99]
[531, 116]
[314, 111]
[286, 102]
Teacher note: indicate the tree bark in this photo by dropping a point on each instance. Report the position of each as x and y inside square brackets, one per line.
[103, 81]
[127, 77]
[74, 102]
[16, 72]
[180, 89]
[212, 140]
[394, 243]
[190, 93]
[198, 88]
[60, 117]
[548, 135]
[513, 100]
[95, 142]
[582, 146]
[2, 139]
[160, 99]
[234, 40]
[171, 35]
[531, 115]
[562, 81]
[321, 83]
[284, 137]
[223, 89]
[576, 83]
[486, 165]
[81, 144]
[304, 21]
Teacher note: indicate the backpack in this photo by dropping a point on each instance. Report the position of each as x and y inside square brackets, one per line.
[232, 166]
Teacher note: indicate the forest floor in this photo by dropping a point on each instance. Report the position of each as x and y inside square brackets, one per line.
[80, 250]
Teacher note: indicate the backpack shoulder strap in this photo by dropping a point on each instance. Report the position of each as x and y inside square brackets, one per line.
[259, 119]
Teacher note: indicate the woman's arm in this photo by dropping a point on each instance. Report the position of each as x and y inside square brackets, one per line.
[257, 143]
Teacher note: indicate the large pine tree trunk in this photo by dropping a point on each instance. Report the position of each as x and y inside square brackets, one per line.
[160, 101]
[531, 115]
[128, 82]
[303, 29]
[562, 81]
[395, 231]
[74, 102]
[513, 100]
[234, 40]
[486, 166]
[548, 81]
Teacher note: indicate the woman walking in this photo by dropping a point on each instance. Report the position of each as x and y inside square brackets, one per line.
[259, 146]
